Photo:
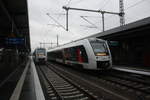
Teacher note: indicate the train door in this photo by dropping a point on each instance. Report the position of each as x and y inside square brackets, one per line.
[81, 54]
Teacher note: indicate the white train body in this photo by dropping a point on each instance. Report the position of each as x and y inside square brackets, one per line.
[89, 53]
[40, 55]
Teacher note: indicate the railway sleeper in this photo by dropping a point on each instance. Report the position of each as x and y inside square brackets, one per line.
[64, 88]
[50, 91]
[70, 93]
[70, 90]
[54, 98]
[78, 96]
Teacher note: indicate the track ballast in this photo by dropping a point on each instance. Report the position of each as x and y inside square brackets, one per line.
[60, 87]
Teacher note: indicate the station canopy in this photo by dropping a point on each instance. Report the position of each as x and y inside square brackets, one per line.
[138, 28]
[14, 25]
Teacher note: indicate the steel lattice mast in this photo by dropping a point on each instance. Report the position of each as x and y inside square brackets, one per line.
[121, 10]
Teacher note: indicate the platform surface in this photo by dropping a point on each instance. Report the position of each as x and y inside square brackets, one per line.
[130, 69]
[28, 87]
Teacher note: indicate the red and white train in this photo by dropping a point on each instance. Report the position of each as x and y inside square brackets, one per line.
[91, 53]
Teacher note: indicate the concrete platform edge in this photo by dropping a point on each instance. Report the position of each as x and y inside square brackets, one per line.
[38, 88]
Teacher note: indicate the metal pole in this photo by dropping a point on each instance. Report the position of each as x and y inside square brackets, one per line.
[66, 19]
[51, 44]
[121, 9]
[57, 40]
[40, 44]
[103, 23]
[44, 45]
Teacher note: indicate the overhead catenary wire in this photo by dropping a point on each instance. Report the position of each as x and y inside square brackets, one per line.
[88, 26]
[58, 14]
[105, 4]
[69, 1]
[77, 2]
[99, 17]
[133, 5]
[92, 16]
[86, 19]
[55, 25]
[58, 24]
[89, 22]
[137, 3]
[56, 21]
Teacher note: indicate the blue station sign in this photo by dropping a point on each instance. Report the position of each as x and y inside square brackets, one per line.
[15, 41]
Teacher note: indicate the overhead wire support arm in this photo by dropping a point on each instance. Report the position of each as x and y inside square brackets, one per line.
[89, 10]
[70, 8]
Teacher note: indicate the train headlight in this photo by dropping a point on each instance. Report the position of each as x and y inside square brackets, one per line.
[101, 54]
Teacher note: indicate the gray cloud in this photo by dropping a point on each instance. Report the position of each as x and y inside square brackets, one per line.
[41, 32]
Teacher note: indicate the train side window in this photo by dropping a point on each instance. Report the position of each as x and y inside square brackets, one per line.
[0, 57]
[1, 53]
[59, 54]
[67, 53]
[73, 55]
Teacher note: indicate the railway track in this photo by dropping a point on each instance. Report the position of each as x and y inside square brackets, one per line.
[60, 87]
[137, 86]
[140, 88]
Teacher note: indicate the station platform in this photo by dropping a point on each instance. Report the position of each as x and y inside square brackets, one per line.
[28, 87]
[131, 69]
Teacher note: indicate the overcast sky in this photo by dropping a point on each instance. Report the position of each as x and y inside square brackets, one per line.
[44, 29]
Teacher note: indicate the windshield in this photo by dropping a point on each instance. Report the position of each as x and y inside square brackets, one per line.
[41, 51]
[99, 46]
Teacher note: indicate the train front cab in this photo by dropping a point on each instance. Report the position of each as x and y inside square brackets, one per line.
[101, 59]
[40, 56]
[41, 60]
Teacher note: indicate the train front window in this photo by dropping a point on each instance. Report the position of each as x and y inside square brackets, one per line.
[41, 51]
[99, 48]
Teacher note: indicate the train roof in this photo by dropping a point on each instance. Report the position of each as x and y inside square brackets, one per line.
[73, 43]
[40, 48]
